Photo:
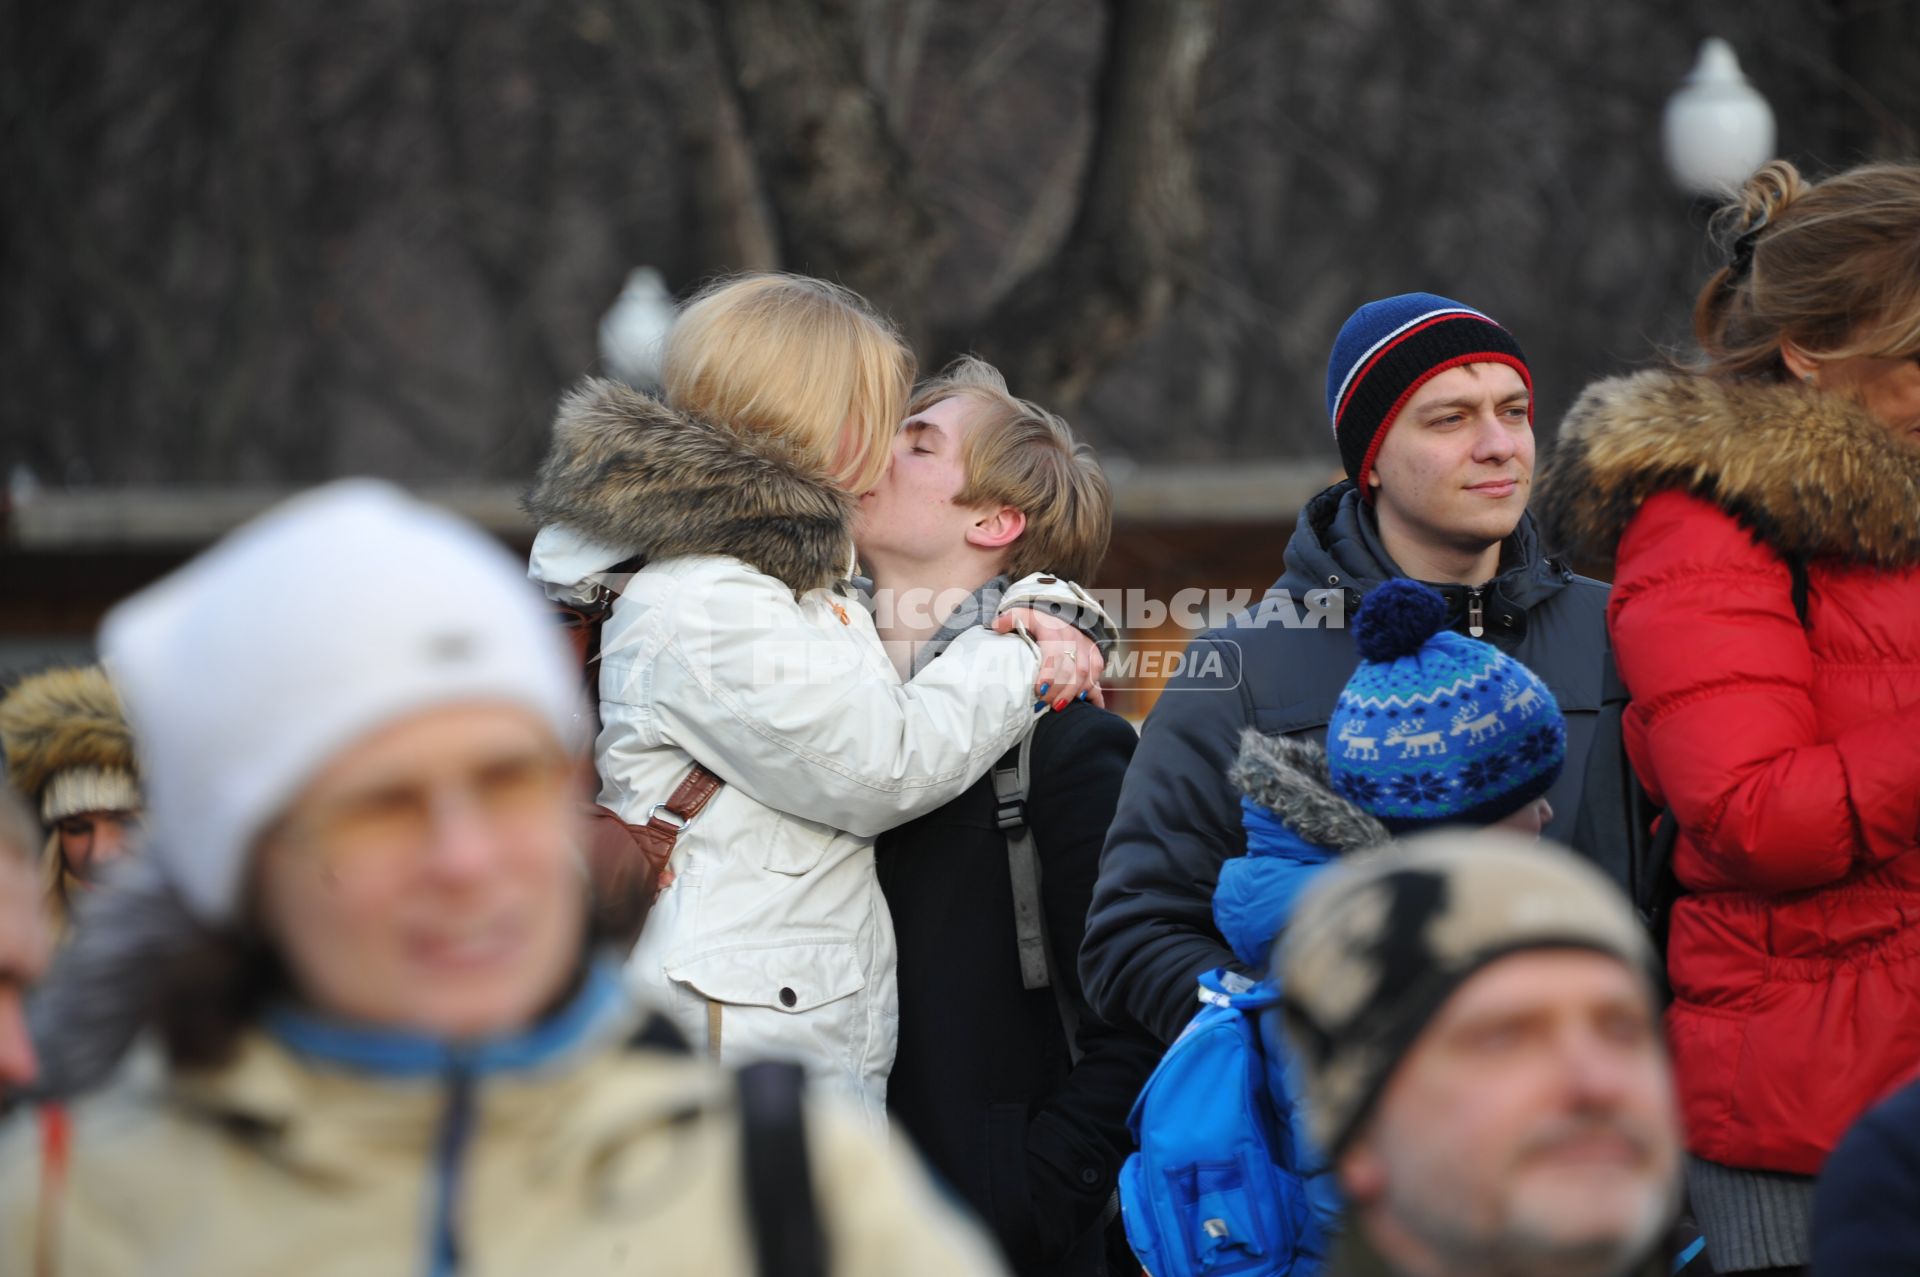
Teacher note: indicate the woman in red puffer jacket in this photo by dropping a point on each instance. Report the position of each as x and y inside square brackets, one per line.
[1782, 479]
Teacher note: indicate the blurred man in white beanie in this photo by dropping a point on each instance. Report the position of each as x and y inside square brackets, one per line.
[360, 944]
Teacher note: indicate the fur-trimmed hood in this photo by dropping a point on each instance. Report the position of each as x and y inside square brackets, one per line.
[1810, 473]
[1296, 825]
[1288, 776]
[646, 480]
[63, 720]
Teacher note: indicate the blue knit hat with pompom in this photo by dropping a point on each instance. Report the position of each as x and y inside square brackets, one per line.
[1435, 727]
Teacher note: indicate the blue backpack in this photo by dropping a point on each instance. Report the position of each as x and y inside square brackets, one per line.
[1218, 1185]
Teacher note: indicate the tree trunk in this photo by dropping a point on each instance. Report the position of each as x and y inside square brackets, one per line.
[1878, 52]
[1141, 227]
[726, 213]
[840, 185]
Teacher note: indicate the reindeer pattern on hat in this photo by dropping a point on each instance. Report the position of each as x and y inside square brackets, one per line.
[1445, 728]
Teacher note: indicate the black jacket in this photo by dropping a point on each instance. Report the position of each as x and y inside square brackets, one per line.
[982, 1080]
[1151, 931]
[1866, 1208]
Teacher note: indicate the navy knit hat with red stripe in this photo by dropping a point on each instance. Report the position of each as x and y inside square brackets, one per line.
[1387, 349]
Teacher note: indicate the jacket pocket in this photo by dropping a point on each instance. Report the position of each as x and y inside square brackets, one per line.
[793, 977]
[797, 846]
[785, 999]
[1070, 1184]
[1012, 1196]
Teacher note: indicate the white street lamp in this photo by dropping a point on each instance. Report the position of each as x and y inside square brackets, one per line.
[633, 332]
[1718, 129]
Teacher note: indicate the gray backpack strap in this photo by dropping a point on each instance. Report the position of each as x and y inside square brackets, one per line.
[1010, 784]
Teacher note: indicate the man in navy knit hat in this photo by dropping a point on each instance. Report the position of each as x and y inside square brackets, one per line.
[1431, 406]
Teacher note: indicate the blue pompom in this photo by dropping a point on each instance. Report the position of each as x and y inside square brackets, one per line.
[1397, 618]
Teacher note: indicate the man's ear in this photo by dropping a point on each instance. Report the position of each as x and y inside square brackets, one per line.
[1362, 1172]
[1802, 365]
[997, 530]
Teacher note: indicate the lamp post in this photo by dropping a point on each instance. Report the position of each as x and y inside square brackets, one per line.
[1718, 128]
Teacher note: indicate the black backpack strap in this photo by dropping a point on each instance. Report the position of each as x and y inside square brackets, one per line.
[781, 1211]
[1654, 887]
[613, 583]
[657, 1033]
[1797, 570]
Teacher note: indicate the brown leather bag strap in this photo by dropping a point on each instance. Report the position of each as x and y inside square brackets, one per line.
[692, 795]
[628, 863]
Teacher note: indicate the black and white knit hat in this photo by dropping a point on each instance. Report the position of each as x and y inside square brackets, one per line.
[1381, 941]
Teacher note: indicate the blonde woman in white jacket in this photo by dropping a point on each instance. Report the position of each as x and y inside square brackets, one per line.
[738, 645]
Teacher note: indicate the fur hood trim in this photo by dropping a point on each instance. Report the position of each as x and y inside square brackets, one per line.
[1810, 473]
[64, 720]
[1288, 776]
[644, 479]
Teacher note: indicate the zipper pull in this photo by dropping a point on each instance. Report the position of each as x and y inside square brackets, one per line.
[1476, 613]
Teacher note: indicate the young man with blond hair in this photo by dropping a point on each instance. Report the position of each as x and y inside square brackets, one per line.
[1007, 1083]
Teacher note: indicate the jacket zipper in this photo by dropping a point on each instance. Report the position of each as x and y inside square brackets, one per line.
[456, 1133]
[1476, 612]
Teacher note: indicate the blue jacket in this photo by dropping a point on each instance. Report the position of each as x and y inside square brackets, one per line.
[1258, 890]
[1296, 825]
[1278, 669]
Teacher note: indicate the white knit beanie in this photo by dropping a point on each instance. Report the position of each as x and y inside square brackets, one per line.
[342, 610]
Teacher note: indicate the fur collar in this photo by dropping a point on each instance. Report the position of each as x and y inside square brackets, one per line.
[1811, 474]
[642, 478]
[1288, 776]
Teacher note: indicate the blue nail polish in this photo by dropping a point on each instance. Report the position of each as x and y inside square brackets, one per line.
[1082, 696]
[1044, 687]
[1038, 706]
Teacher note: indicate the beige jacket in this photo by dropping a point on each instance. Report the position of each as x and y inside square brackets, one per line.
[609, 1160]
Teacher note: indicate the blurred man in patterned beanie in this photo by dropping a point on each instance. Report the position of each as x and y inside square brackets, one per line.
[1476, 1018]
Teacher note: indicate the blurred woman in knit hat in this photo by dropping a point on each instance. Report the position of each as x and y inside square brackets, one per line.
[70, 756]
[373, 1029]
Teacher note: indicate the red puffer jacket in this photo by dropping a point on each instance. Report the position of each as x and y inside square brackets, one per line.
[1789, 755]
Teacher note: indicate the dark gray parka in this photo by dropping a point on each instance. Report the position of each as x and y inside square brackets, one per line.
[1150, 933]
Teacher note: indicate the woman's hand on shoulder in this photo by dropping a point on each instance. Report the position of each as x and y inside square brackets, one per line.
[1070, 661]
